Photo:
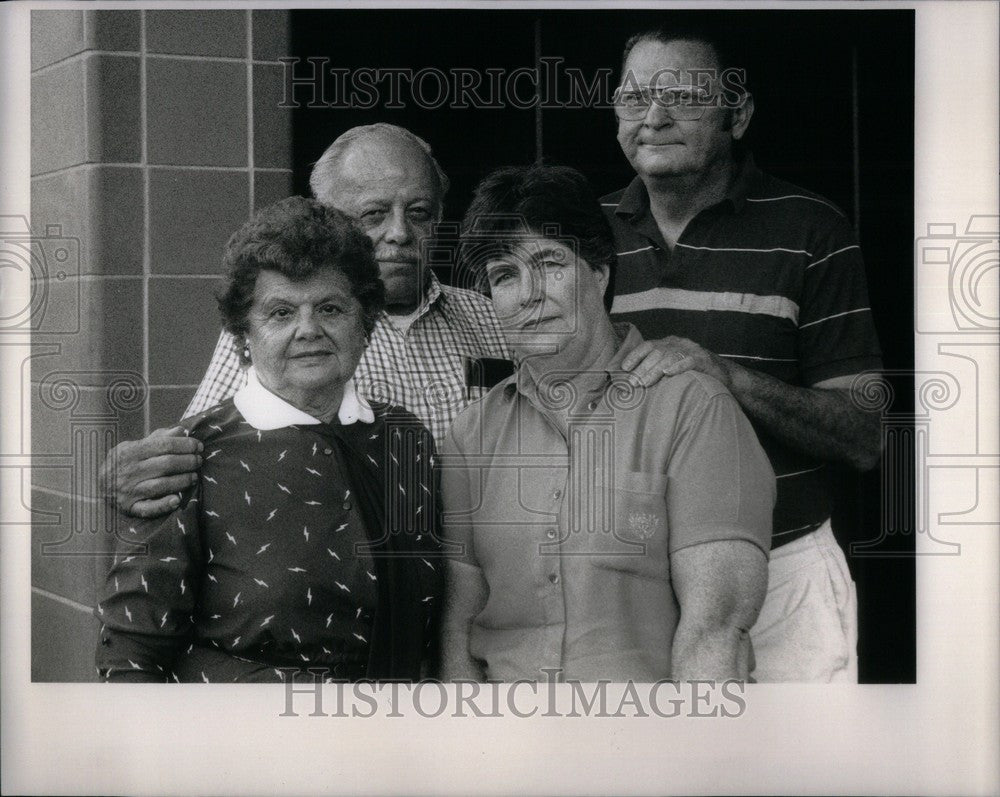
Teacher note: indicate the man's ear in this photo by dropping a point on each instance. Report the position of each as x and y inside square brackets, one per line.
[603, 276]
[739, 117]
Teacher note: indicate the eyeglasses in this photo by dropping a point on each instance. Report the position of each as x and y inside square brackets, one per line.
[679, 103]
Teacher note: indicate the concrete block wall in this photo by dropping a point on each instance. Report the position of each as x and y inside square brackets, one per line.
[154, 135]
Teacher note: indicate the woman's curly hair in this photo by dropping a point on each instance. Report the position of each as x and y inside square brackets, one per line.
[298, 237]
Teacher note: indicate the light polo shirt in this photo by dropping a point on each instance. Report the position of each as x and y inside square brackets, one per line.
[772, 278]
[573, 532]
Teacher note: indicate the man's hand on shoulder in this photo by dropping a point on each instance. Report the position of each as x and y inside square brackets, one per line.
[651, 360]
[142, 477]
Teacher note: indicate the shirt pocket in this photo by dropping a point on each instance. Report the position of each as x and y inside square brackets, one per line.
[637, 541]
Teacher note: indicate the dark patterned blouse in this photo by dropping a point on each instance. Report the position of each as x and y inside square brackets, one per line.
[307, 547]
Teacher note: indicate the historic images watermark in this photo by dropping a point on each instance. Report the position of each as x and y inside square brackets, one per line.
[310, 695]
[314, 83]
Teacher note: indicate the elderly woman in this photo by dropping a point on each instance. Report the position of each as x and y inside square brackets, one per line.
[308, 542]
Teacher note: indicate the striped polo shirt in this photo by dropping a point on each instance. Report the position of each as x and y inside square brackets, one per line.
[772, 278]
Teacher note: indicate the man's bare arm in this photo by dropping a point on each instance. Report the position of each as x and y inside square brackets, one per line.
[142, 477]
[825, 420]
[720, 587]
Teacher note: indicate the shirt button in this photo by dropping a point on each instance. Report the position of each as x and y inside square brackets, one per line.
[328, 451]
[554, 578]
[550, 533]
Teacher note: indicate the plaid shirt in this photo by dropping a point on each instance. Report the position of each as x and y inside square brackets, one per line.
[422, 369]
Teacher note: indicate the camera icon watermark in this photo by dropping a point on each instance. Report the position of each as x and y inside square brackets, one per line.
[51, 262]
[967, 266]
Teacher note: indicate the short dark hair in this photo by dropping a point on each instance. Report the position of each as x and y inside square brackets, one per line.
[518, 201]
[724, 51]
[298, 237]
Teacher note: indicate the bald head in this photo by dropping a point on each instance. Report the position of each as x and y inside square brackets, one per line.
[324, 180]
[386, 179]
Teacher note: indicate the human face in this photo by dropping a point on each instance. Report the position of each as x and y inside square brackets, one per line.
[547, 298]
[305, 337]
[659, 146]
[389, 187]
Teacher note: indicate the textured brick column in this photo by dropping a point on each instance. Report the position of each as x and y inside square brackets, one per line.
[154, 134]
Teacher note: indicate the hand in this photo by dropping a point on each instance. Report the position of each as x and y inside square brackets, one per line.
[142, 477]
[651, 360]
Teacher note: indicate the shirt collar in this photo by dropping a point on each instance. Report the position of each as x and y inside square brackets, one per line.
[265, 410]
[593, 380]
[434, 294]
[634, 201]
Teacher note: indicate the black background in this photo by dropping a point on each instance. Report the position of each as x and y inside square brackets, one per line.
[834, 114]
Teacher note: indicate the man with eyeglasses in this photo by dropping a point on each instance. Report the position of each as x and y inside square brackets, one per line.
[728, 271]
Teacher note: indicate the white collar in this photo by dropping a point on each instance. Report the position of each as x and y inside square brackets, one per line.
[265, 410]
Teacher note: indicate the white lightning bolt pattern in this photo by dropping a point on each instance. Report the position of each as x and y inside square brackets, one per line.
[313, 503]
[283, 488]
[100, 609]
[217, 451]
[305, 532]
[347, 495]
[333, 554]
[273, 513]
[262, 583]
[209, 479]
[211, 513]
[246, 496]
[309, 596]
[314, 449]
[244, 466]
[212, 578]
[258, 435]
[134, 665]
[341, 527]
[281, 456]
[361, 638]
[393, 458]
[342, 586]
[183, 588]
[314, 472]
[373, 437]
[236, 599]
[427, 563]
[205, 677]
[215, 617]
[231, 538]
[372, 460]
[263, 548]
[327, 652]
[181, 526]
[213, 426]
[142, 580]
[304, 657]
[163, 620]
[116, 583]
[131, 530]
[371, 575]
[297, 637]
[357, 614]
[329, 620]
[296, 569]
[266, 620]
[169, 559]
[237, 641]
[128, 614]
[127, 559]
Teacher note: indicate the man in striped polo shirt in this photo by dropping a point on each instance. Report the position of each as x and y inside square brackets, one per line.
[731, 272]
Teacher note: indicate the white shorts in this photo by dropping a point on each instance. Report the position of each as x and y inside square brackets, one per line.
[807, 629]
